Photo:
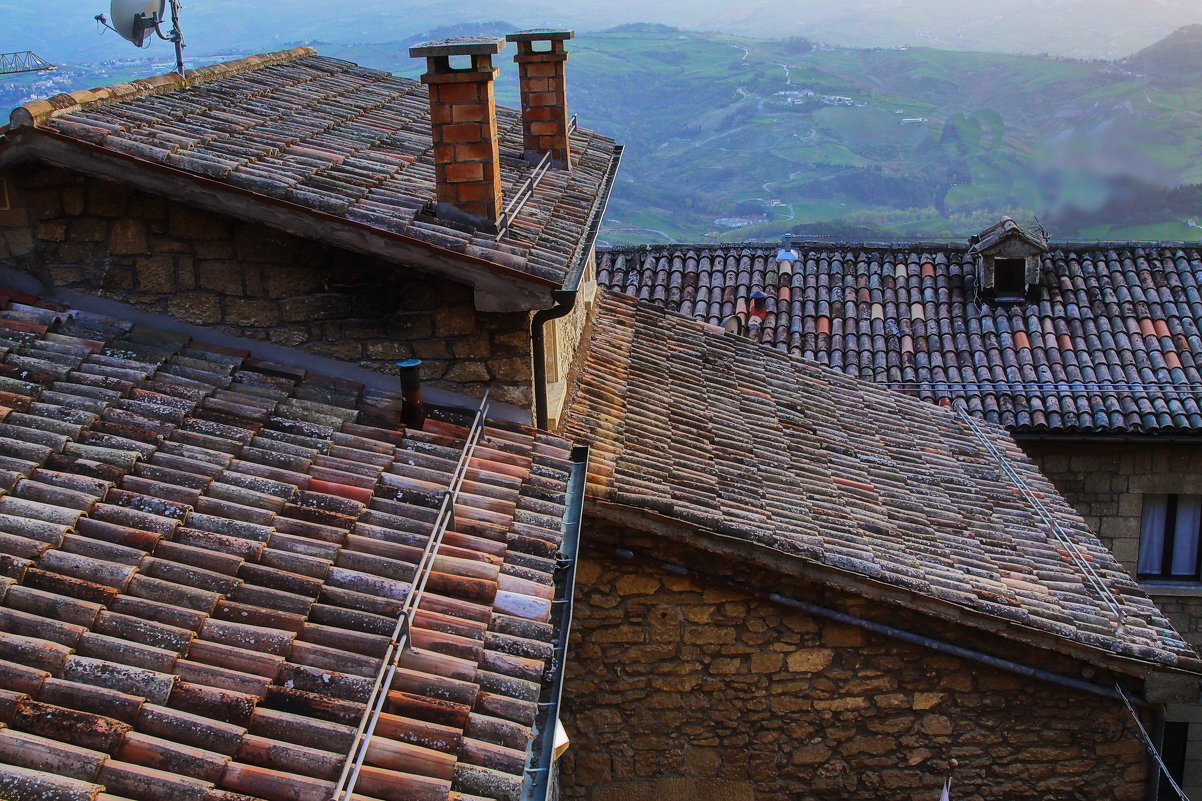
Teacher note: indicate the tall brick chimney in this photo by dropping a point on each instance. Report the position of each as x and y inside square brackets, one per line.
[463, 116]
[543, 82]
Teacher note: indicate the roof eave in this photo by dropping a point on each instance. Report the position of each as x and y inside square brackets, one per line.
[593, 227]
[800, 568]
[498, 288]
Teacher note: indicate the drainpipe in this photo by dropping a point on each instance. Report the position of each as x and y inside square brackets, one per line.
[565, 299]
[541, 767]
[896, 633]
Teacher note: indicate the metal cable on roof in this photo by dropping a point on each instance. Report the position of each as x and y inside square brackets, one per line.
[1074, 553]
[1150, 746]
[1146, 388]
[399, 642]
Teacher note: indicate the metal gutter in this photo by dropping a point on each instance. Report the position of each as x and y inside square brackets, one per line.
[565, 298]
[539, 782]
[896, 633]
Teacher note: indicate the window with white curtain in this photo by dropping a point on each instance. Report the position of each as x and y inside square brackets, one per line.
[1168, 536]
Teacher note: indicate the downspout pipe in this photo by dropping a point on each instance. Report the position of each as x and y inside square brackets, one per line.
[901, 634]
[565, 301]
[565, 298]
[949, 648]
[542, 768]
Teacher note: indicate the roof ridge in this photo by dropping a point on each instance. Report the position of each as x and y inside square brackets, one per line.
[36, 112]
[868, 244]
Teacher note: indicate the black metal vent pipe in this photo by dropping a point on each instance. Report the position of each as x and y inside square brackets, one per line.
[413, 411]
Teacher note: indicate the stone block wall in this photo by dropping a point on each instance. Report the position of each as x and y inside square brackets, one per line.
[1105, 483]
[681, 687]
[563, 337]
[163, 256]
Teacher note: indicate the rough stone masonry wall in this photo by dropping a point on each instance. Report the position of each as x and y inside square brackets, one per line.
[1106, 483]
[162, 256]
[681, 688]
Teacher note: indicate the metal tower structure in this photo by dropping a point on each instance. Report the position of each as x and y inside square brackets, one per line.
[23, 61]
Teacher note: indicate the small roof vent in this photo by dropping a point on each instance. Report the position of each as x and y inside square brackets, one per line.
[1008, 261]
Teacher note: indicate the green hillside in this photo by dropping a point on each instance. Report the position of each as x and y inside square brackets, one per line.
[732, 138]
[905, 142]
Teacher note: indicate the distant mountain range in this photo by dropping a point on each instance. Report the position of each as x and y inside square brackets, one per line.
[732, 138]
[63, 31]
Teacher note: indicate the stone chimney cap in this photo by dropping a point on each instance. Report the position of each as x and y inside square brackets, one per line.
[541, 35]
[458, 46]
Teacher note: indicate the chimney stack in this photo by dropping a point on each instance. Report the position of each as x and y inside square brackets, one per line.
[463, 116]
[542, 78]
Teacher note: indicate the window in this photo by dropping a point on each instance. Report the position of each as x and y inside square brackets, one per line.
[1168, 536]
[1172, 751]
[1010, 278]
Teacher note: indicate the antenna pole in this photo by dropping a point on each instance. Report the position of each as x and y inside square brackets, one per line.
[177, 38]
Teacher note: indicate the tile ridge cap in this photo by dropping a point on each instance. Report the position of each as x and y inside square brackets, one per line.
[36, 112]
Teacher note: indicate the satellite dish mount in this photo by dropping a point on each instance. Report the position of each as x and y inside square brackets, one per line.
[133, 20]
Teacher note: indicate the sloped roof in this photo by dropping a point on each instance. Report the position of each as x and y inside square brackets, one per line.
[694, 425]
[1111, 347]
[336, 138]
[1002, 229]
[204, 556]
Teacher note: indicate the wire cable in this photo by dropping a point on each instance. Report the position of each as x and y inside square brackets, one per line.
[399, 642]
[1150, 746]
[1071, 548]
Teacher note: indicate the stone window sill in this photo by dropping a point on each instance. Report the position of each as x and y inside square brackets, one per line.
[1172, 589]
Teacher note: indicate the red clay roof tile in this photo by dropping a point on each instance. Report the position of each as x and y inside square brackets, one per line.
[196, 609]
[734, 439]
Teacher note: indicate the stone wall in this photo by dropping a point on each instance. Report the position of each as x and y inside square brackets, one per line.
[681, 687]
[1105, 483]
[162, 256]
[562, 339]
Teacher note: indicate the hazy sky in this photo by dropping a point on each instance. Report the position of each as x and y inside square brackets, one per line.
[63, 29]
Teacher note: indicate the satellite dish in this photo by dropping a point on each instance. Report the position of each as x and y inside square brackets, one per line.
[135, 20]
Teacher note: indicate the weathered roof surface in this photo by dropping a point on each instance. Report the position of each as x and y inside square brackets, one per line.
[202, 561]
[1004, 228]
[1112, 346]
[338, 138]
[692, 424]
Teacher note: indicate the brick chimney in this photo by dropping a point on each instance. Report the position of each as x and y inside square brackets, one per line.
[541, 60]
[463, 116]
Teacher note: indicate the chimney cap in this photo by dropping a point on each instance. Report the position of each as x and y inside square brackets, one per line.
[458, 46]
[541, 35]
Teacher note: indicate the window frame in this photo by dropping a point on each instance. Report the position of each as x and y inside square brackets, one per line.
[1174, 750]
[1170, 538]
[1014, 270]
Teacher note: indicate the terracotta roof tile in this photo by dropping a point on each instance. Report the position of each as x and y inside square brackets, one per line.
[1109, 347]
[190, 606]
[735, 439]
[333, 137]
